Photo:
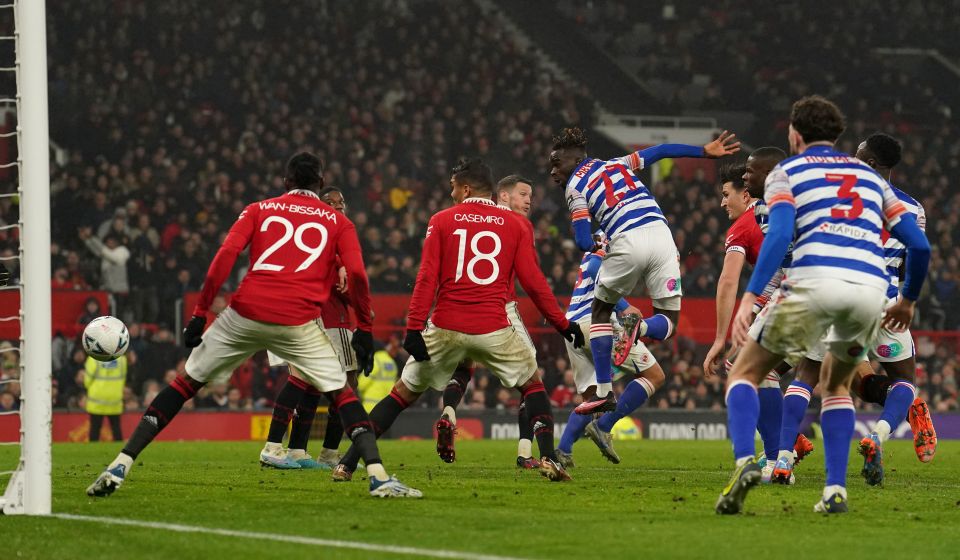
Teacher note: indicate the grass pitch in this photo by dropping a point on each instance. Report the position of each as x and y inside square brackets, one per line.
[657, 504]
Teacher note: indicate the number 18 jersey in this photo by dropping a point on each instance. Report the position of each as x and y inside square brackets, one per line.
[470, 256]
[294, 241]
[842, 205]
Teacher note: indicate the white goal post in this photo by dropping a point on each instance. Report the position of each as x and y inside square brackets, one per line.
[29, 489]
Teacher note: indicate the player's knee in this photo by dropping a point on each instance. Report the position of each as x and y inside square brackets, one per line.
[655, 376]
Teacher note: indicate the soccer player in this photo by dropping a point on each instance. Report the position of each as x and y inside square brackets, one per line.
[641, 245]
[516, 193]
[295, 241]
[647, 374]
[298, 400]
[892, 348]
[470, 256]
[833, 206]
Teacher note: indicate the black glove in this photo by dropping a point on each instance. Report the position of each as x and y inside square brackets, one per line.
[573, 334]
[415, 346]
[193, 333]
[362, 344]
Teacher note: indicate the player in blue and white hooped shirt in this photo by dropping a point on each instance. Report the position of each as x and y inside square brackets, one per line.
[641, 365]
[641, 246]
[833, 207]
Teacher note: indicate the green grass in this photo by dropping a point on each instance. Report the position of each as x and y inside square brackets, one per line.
[658, 503]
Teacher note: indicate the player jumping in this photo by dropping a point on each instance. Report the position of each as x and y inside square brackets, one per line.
[298, 400]
[834, 206]
[470, 256]
[295, 241]
[641, 246]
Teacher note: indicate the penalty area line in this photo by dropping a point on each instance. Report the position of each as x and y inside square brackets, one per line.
[277, 537]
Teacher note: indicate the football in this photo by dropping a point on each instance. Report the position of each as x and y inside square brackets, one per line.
[105, 338]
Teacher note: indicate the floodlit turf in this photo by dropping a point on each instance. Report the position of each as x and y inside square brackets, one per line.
[658, 503]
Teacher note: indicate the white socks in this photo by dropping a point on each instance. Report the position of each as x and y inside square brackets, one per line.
[377, 471]
[451, 414]
[742, 460]
[882, 429]
[122, 459]
[525, 448]
[835, 489]
[603, 389]
[788, 455]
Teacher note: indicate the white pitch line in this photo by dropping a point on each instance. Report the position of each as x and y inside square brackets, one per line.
[331, 543]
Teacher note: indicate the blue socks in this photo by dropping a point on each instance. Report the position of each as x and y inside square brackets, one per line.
[657, 327]
[601, 346]
[795, 402]
[743, 410]
[899, 399]
[771, 411]
[633, 397]
[837, 420]
[573, 431]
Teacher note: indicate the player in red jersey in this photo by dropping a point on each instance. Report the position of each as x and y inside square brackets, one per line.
[514, 192]
[298, 400]
[295, 241]
[470, 256]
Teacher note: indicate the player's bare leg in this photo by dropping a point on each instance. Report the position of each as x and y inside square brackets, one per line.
[541, 421]
[160, 412]
[743, 411]
[837, 420]
[601, 347]
[446, 426]
[381, 418]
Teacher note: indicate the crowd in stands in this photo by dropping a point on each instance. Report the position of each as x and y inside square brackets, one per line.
[169, 130]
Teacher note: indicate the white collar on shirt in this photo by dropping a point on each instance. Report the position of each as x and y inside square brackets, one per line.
[303, 192]
[478, 200]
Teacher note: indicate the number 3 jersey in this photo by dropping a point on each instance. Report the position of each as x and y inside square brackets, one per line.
[842, 205]
[294, 242]
[470, 256]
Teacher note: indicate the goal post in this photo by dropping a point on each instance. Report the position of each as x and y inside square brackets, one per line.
[30, 489]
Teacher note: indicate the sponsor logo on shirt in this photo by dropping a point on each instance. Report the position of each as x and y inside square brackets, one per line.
[479, 219]
[844, 230]
[673, 284]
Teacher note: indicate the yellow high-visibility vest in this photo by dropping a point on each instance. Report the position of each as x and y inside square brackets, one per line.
[375, 388]
[104, 382]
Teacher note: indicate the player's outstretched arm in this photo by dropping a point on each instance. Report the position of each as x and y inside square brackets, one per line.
[351, 258]
[534, 283]
[236, 241]
[725, 145]
[424, 293]
[580, 220]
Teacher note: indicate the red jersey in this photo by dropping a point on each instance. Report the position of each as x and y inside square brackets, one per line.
[294, 242]
[512, 294]
[335, 313]
[469, 259]
[745, 236]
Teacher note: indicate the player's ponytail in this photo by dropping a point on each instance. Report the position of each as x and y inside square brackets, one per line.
[303, 171]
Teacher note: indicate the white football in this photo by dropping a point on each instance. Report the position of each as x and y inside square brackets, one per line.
[105, 338]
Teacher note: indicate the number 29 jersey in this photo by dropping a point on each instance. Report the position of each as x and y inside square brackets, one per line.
[470, 255]
[294, 240]
[842, 206]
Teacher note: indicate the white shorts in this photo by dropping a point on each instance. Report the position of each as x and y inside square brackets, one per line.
[889, 347]
[506, 353]
[232, 338]
[584, 372]
[341, 339]
[647, 254]
[513, 315]
[802, 313]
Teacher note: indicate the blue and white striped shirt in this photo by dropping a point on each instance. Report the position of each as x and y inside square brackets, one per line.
[893, 251]
[841, 207]
[610, 192]
[581, 302]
